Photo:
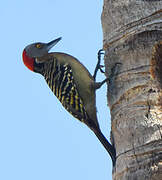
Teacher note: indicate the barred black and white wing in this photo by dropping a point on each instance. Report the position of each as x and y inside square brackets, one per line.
[60, 79]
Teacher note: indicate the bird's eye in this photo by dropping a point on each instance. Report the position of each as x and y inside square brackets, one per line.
[38, 46]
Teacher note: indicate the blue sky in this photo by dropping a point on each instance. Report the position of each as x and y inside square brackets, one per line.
[38, 139]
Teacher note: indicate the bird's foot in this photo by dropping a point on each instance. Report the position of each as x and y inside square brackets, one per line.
[114, 72]
[99, 66]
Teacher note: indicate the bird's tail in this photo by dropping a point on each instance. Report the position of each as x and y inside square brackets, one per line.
[110, 149]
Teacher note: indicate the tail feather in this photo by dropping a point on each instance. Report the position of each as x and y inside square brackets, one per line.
[110, 149]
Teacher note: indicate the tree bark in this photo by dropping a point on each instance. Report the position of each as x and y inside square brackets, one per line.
[132, 31]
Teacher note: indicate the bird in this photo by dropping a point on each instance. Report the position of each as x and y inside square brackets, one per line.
[71, 83]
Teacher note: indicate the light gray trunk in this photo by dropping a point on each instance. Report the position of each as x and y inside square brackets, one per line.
[132, 31]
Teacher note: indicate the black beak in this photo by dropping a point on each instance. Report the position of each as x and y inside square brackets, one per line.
[53, 43]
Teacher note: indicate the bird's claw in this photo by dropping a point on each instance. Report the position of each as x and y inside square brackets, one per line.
[98, 66]
[100, 52]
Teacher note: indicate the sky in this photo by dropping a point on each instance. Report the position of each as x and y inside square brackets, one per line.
[39, 139]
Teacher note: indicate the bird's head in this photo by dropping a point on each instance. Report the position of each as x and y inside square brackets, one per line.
[36, 50]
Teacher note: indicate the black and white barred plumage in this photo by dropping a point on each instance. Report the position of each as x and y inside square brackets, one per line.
[59, 78]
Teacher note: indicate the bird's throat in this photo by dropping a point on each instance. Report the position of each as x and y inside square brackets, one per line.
[29, 62]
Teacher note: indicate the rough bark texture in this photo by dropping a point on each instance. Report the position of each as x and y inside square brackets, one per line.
[132, 32]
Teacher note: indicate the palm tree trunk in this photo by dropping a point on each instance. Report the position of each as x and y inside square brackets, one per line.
[132, 32]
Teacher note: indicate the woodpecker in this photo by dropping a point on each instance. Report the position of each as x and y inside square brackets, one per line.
[71, 83]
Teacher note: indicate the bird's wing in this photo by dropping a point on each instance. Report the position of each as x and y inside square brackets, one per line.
[60, 80]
